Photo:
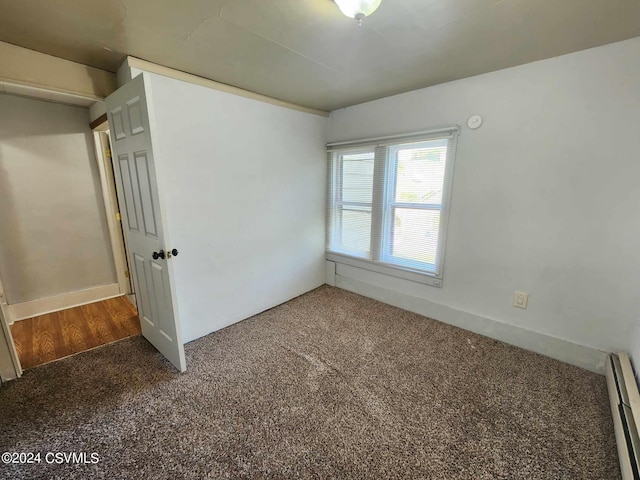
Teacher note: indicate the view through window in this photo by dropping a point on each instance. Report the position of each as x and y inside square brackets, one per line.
[388, 203]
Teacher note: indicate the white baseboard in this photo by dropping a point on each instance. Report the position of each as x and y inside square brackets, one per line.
[579, 355]
[20, 311]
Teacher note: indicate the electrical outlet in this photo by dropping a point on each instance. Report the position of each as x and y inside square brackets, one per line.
[520, 299]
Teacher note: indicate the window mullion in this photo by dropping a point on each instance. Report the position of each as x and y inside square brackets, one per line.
[378, 199]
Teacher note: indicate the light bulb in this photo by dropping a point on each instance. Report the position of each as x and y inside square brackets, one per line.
[358, 9]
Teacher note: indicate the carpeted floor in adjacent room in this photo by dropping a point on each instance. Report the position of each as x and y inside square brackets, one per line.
[328, 385]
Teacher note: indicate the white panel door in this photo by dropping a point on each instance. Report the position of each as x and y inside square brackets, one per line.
[142, 220]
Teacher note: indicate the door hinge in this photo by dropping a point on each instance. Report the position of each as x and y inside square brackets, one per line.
[107, 152]
[118, 218]
[127, 274]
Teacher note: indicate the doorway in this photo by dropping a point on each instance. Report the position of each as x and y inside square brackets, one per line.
[50, 327]
[56, 335]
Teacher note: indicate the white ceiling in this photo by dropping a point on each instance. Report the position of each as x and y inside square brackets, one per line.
[306, 51]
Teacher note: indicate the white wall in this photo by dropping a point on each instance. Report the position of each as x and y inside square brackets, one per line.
[546, 199]
[244, 194]
[53, 230]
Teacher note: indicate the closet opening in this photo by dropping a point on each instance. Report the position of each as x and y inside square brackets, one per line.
[65, 282]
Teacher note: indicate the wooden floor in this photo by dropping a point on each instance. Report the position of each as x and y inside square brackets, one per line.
[60, 334]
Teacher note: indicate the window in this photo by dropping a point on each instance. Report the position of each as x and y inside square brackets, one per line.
[388, 203]
[353, 200]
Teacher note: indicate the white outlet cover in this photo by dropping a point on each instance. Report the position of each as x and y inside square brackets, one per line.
[520, 299]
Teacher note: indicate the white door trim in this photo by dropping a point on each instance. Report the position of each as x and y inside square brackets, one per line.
[7, 336]
[118, 248]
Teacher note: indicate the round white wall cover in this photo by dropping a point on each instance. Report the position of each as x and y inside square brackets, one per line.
[474, 122]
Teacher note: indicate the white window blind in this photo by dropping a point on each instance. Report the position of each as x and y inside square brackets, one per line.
[350, 226]
[388, 203]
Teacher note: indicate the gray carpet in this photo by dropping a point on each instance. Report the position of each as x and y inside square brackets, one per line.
[328, 385]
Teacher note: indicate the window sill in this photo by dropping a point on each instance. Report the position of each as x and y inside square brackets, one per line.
[385, 269]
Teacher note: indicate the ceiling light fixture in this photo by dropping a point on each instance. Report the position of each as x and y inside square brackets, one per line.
[358, 9]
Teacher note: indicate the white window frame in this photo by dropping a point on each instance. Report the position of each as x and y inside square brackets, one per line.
[383, 202]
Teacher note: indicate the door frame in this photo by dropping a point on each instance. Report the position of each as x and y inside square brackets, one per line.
[8, 336]
[107, 181]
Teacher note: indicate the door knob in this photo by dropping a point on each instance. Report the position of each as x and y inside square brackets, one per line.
[174, 252]
[157, 255]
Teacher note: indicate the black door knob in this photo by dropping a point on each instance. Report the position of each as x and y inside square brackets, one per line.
[174, 252]
[157, 255]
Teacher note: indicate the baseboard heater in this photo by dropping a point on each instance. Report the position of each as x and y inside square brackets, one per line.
[625, 408]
